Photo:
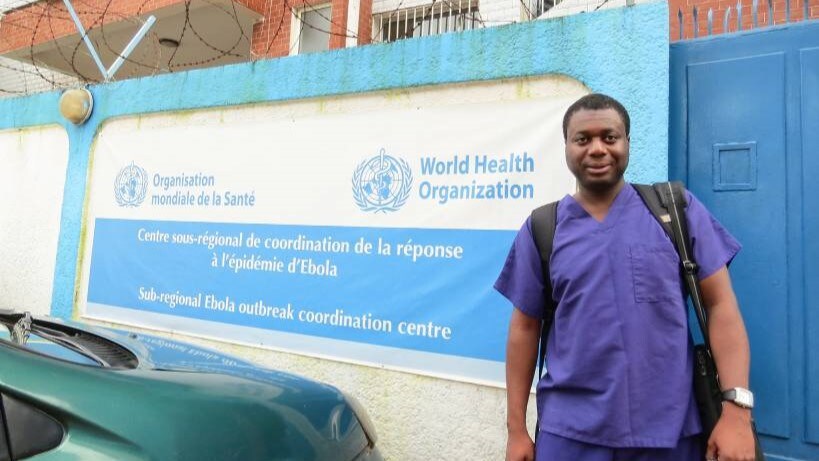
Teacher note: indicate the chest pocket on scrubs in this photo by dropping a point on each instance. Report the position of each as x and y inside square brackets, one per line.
[655, 271]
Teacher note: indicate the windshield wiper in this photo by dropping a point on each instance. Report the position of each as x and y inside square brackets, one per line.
[105, 352]
[22, 330]
[60, 338]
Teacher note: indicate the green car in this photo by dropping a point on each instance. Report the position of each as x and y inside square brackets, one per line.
[72, 392]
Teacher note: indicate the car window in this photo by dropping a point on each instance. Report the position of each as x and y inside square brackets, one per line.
[4, 444]
[30, 431]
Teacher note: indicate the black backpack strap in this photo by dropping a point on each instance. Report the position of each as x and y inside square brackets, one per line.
[673, 197]
[671, 194]
[544, 222]
[656, 199]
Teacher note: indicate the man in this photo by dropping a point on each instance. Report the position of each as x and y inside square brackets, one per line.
[618, 384]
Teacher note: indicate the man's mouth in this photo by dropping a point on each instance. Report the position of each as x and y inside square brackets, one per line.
[598, 169]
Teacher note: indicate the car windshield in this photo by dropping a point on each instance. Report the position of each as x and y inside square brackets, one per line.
[63, 342]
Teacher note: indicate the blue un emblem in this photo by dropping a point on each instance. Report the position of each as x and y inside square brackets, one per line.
[382, 183]
[130, 186]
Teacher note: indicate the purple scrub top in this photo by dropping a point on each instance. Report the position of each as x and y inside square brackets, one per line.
[619, 357]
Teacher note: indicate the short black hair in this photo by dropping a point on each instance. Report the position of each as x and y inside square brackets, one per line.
[596, 101]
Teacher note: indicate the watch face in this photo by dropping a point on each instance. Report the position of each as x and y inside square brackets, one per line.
[740, 396]
[745, 397]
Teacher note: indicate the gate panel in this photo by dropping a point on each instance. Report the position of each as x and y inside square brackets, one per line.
[810, 143]
[736, 166]
[744, 134]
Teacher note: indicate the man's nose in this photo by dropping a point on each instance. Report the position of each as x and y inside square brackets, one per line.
[597, 146]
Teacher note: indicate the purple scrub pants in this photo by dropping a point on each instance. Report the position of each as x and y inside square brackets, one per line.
[555, 448]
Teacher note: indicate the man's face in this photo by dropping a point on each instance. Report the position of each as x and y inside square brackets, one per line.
[597, 148]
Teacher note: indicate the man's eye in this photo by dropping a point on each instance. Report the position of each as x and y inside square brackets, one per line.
[611, 138]
[581, 140]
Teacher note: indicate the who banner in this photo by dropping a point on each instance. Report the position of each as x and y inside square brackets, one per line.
[371, 231]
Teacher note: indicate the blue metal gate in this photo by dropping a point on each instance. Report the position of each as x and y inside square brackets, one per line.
[744, 131]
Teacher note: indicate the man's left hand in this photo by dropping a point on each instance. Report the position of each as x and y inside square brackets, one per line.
[732, 438]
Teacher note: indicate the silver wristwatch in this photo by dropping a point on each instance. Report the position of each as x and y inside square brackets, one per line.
[739, 396]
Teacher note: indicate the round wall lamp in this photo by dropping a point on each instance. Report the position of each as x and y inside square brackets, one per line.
[76, 105]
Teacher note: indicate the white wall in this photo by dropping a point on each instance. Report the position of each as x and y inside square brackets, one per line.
[33, 165]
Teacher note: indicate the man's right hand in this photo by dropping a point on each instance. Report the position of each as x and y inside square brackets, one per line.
[519, 447]
[521, 355]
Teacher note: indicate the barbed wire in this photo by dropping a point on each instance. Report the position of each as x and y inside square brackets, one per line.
[54, 55]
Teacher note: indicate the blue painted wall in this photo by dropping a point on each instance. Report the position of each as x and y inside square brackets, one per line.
[621, 52]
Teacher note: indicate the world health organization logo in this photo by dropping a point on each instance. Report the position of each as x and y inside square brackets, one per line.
[382, 183]
[130, 186]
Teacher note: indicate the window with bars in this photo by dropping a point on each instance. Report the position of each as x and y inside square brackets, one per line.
[435, 18]
[532, 9]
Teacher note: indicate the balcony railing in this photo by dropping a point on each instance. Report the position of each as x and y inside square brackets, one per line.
[436, 18]
[534, 8]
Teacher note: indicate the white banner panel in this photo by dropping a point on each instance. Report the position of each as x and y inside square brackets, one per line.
[367, 229]
[32, 180]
